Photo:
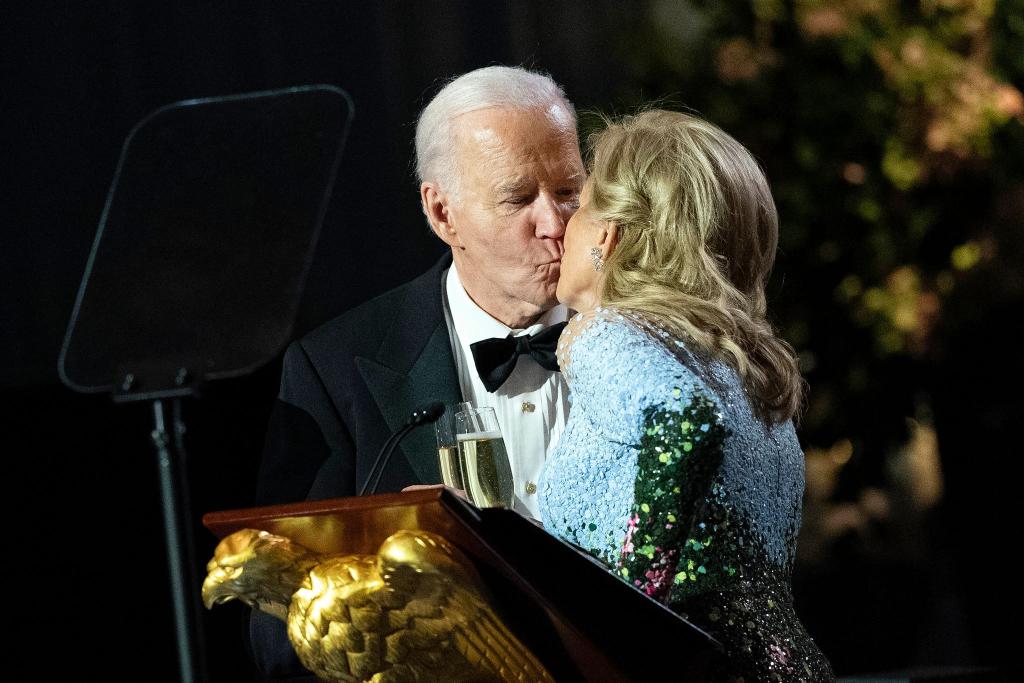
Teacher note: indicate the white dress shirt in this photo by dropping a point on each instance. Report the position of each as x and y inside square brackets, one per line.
[531, 405]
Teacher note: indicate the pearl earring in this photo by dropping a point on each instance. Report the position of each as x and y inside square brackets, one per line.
[595, 253]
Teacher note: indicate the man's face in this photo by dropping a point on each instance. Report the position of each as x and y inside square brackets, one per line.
[520, 178]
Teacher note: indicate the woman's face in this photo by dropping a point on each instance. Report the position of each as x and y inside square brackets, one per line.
[578, 282]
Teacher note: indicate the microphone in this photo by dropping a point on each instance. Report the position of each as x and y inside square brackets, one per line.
[424, 415]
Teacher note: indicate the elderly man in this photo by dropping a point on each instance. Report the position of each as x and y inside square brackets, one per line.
[500, 174]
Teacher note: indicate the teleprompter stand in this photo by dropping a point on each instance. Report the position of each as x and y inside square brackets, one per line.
[196, 270]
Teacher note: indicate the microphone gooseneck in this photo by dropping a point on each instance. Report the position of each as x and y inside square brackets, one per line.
[425, 415]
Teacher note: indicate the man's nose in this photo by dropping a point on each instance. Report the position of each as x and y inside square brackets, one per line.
[550, 219]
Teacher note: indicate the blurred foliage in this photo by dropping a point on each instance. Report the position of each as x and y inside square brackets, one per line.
[892, 135]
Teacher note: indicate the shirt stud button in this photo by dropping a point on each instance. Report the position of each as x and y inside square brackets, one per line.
[528, 407]
[531, 487]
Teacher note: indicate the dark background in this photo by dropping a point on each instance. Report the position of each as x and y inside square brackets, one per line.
[89, 564]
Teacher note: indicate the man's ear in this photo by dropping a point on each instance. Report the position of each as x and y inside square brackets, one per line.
[436, 208]
[607, 239]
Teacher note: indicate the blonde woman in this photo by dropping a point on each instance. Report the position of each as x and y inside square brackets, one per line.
[679, 466]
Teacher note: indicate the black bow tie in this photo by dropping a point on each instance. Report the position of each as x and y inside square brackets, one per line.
[496, 358]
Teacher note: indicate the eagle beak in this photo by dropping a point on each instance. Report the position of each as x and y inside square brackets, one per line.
[214, 590]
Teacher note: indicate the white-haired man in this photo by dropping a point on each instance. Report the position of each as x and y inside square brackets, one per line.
[500, 175]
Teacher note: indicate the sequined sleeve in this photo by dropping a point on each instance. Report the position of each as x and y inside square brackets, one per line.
[673, 427]
[680, 449]
[665, 476]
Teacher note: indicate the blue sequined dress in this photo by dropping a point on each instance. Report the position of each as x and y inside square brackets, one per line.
[665, 474]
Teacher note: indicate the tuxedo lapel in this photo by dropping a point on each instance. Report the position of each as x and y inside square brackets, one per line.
[414, 367]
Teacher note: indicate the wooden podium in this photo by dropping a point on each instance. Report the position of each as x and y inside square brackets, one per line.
[579, 619]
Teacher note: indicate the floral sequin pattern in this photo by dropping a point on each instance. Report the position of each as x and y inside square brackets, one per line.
[680, 446]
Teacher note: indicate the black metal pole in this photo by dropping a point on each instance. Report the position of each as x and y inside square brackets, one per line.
[177, 534]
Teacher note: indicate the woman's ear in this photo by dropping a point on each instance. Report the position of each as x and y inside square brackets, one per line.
[608, 239]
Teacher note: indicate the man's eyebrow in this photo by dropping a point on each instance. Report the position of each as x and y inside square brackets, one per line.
[520, 185]
[513, 186]
[578, 175]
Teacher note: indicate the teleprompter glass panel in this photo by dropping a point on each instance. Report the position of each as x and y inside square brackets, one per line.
[205, 240]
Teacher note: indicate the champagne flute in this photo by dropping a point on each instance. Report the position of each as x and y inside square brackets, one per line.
[448, 459]
[486, 471]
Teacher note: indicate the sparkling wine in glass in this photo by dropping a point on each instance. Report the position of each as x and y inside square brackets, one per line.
[486, 471]
[448, 449]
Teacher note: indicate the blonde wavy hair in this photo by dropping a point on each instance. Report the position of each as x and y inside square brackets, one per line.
[697, 234]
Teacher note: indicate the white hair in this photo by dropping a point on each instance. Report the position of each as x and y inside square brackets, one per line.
[491, 86]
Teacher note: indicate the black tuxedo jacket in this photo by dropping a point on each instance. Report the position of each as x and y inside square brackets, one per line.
[349, 384]
[345, 387]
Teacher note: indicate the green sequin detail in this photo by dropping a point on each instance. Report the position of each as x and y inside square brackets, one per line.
[696, 567]
[674, 468]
